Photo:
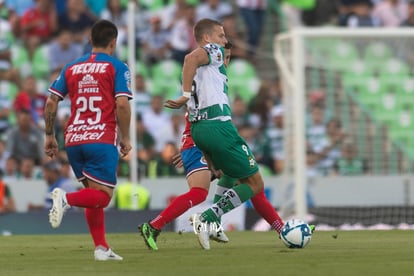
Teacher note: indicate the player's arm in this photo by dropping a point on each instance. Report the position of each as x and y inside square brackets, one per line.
[123, 115]
[51, 106]
[191, 62]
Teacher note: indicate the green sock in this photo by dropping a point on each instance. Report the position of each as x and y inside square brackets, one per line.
[225, 182]
[231, 199]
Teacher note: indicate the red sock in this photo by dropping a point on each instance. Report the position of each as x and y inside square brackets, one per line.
[88, 198]
[267, 211]
[96, 222]
[178, 206]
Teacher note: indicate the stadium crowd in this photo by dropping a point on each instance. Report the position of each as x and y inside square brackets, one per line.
[38, 37]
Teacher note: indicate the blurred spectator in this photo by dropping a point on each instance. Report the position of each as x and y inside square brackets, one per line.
[30, 99]
[145, 145]
[38, 25]
[213, 9]
[155, 42]
[172, 12]
[253, 15]
[350, 163]
[409, 22]
[78, 19]
[275, 135]
[260, 147]
[16, 9]
[360, 14]
[142, 25]
[182, 40]
[20, 6]
[316, 129]
[235, 36]
[260, 107]
[4, 155]
[324, 12]
[142, 96]
[25, 140]
[162, 165]
[115, 13]
[28, 170]
[66, 169]
[7, 204]
[391, 12]
[97, 7]
[240, 114]
[158, 122]
[7, 71]
[178, 126]
[54, 179]
[62, 50]
[5, 110]
[332, 149]
[11, 170]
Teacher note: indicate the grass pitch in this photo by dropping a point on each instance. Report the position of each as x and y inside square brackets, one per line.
[248, 253]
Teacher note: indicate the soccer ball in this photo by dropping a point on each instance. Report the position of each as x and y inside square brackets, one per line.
[296, 233]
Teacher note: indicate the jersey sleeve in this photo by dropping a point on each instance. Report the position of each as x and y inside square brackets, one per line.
[215, 54]
[59, 86]
[123, 81]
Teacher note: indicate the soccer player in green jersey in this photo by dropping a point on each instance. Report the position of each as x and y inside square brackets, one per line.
[212, 128]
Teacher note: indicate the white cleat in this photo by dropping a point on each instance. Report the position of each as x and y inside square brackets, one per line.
[59, 207]
[106, 255]
[218, 235]
[201, 229]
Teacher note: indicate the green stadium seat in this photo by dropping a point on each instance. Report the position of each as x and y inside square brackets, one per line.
[142, 69]
[376, 55]
[342, 55]
[368, 89]
[20, 59]
[378, 51]
[40, 64]
[243, 79]
[166, 76]
[10, 89]
[394, 67]
[402, 129]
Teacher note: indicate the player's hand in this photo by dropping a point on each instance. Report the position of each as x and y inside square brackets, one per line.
[177, 161]
[125, 147]
[176, 104]
[217, 173]
[51, 146]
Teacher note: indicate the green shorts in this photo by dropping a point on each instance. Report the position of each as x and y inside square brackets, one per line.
[226, 148]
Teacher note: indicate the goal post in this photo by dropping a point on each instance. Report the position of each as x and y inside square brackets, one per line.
[365, 77]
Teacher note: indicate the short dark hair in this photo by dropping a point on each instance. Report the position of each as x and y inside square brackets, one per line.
[228, 45]
[102, 33]
[204, 26]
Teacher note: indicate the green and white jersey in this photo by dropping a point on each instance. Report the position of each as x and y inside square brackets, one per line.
[209, 99]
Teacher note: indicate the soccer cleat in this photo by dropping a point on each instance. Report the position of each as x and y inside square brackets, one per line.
[312, 228]
[201, 229]
[150, 235]
[218, 235]
[106, 255]
[59, 207]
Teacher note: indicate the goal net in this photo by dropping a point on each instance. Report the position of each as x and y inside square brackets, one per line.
[348, 97]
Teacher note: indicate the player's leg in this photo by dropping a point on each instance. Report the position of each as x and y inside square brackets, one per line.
[198, 179]
[98, 174]
[265, 209]
[223, 184]
[230, 153]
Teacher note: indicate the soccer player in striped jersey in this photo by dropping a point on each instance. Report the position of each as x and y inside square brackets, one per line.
[210, 111]
[98, 86]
